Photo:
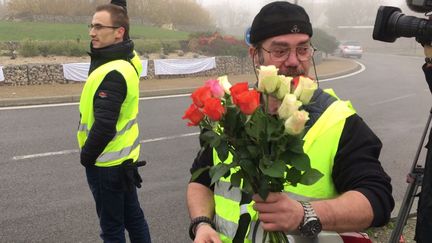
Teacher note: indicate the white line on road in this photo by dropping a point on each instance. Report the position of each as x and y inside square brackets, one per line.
[393, 99]
[71, 151]
[76, 103]
[362, 68]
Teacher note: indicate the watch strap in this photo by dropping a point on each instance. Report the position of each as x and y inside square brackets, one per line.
[196, 221]
[310, 225]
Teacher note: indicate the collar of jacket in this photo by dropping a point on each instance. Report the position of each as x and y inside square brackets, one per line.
[100, 56]
[319, 102]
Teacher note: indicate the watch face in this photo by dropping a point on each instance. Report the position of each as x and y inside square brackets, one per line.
[311, 228]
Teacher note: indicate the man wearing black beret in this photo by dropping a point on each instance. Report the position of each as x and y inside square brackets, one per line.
[355, 192]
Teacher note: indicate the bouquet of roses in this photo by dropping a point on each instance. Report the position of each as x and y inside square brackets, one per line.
[266, 148]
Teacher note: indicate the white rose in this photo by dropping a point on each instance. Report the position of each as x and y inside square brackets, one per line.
[295, 124]
[268, 80]
[269, 84]
[305, 89]
[289, 105]
[284, 86]
[226, 85]
[267, 71]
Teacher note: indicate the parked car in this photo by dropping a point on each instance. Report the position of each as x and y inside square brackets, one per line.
[349, 49]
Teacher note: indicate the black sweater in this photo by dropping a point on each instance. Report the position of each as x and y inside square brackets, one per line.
[356, 166]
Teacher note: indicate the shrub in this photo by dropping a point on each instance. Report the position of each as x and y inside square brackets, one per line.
[221, 48]
[28, 49]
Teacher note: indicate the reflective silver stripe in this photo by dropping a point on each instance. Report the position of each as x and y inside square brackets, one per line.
[243, 209]
[82, 127]
[251, 229]
[106, 157]
[222, 188]
[300, 197]
[225, 227]
[126, 128]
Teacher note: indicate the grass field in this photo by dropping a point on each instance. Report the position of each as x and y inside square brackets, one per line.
[18, 31]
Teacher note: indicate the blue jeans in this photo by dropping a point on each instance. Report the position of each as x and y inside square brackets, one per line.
[117, 208]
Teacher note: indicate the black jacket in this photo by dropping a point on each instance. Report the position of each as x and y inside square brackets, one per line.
[107, 100]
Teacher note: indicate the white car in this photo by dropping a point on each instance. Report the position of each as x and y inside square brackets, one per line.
[349, 49]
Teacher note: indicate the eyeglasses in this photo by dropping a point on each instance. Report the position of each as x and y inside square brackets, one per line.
[303, 53]
[99, 26]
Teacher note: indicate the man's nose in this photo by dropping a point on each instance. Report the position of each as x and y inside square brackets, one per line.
[92, 33]
[292, 59]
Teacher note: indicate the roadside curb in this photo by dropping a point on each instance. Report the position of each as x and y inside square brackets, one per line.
[10, 102]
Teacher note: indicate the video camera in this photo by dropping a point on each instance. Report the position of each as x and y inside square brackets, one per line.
[391, 23]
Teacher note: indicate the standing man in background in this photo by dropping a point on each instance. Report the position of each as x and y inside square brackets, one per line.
[108, 133]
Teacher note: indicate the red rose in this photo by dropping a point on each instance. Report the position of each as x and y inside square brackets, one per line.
[248, 101]
[238, 89]
[194, 115]
[213, 108]
[200, 95]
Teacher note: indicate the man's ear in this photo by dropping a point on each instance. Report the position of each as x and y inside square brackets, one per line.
[120, 33]
[253, 53]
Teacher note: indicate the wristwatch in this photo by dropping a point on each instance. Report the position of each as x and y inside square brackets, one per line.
[311, 226]
[195, 222]
[428, 60]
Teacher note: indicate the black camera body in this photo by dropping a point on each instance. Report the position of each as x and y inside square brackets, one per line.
[420, 6]
[391, 23]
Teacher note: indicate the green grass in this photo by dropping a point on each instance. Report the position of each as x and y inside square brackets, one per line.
[19, 31]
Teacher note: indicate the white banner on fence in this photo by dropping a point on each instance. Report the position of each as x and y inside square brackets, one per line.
[1, 74]
[79, 71]
[76, 71]
[183, 66]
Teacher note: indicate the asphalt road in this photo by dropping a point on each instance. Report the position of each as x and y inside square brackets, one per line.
[44, 196]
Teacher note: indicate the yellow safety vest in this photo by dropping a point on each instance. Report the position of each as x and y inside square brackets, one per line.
[125, 145]
[321, 144]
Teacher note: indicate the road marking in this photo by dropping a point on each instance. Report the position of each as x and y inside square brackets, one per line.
[362, 68]
[391, 100]
[72, 151]
[76, 103]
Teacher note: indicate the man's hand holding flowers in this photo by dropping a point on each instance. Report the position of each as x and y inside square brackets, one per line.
[265, 140]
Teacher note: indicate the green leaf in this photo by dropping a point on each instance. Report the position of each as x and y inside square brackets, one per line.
[293, 176]
[296, 146]
[274, 130]
[231, 120]
[236, 179]
[274, 169]
[301, 162]
[198, 172]
[310, 177]
[247, 186]
[253, 151]
[211, 138]
[263, 189]
[248, 167]
[217, 171]
[222, 150]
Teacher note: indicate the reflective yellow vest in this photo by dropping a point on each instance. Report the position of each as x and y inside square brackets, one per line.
[321, 144]
[125, 145]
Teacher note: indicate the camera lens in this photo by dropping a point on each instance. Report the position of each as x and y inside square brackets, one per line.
[391, 23]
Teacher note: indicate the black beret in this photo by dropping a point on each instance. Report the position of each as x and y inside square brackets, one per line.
[279, 18]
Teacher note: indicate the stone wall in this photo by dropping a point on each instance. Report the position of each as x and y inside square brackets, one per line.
[36, 74]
